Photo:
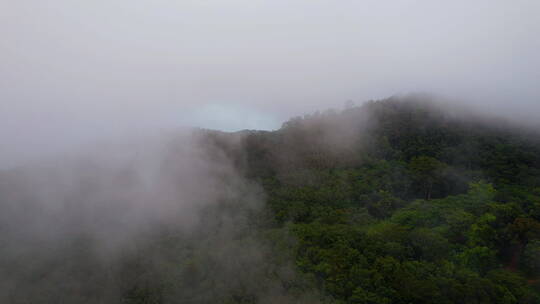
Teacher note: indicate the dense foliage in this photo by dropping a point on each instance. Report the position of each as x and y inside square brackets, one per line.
[395, 201]
[410, 203]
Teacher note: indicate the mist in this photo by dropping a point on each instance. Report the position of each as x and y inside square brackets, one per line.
[101, 225]
[72, 73]
[123, 175]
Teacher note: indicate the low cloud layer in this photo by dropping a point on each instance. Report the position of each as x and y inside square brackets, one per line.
[71, 72]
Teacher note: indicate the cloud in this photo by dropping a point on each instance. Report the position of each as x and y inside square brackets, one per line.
[71, 72]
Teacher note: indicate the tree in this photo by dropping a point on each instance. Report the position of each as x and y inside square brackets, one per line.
[531, 257]
[426, 172]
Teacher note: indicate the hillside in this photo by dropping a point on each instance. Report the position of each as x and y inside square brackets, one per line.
[396, 201]
[405, 201]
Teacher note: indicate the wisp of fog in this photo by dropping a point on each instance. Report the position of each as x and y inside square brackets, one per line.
[110, 189]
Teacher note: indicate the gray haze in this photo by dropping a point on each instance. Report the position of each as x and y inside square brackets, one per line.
[70, 228]
[75, 71]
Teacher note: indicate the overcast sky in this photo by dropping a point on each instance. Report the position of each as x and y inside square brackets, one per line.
[73, 71]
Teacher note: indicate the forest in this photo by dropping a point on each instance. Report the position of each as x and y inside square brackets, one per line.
[401, 200]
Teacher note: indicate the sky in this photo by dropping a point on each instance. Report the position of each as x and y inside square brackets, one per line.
[72, 72]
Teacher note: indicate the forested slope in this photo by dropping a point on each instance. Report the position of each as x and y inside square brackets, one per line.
[405, 201]
[396, 201]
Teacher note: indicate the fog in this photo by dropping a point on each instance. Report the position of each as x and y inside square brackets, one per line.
[104, 186]
[74, 72]
[170, 215]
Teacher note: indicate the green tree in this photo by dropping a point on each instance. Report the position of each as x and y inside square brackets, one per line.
[426, 172]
